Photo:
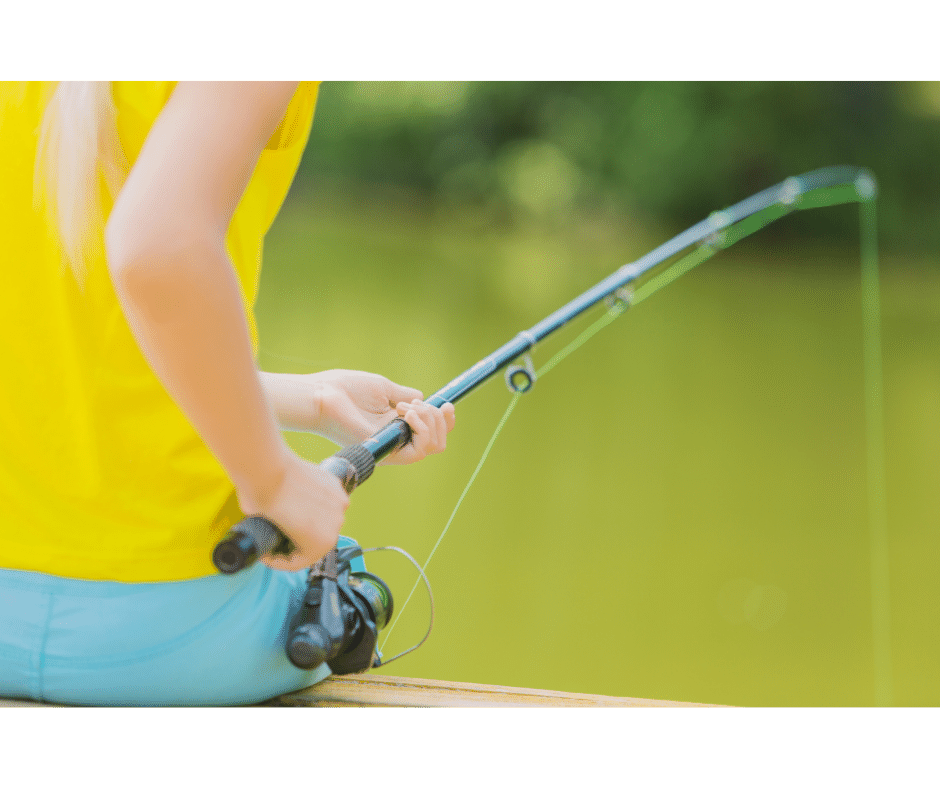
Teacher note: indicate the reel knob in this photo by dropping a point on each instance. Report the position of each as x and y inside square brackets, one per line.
[309, 646]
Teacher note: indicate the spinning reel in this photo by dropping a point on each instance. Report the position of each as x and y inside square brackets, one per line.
[341, 615]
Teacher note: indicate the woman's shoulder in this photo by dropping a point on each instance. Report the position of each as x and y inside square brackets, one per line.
[295, 125]
[139, 103]
[146, 99]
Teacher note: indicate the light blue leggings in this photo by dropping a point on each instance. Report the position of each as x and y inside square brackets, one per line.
[214, 641]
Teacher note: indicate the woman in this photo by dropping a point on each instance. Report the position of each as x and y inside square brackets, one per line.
[135, 427]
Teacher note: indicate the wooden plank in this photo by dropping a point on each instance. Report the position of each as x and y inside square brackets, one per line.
[391, 691]
[386, 691]
[5, 702]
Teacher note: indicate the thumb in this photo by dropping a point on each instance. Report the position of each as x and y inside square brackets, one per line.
[398, 393]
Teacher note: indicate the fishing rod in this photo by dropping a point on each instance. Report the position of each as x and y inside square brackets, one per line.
[254, 536]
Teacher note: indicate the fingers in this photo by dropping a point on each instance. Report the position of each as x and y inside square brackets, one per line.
[397, 394]
[425, 430]
[450, 415]
[292, 563]
[429, 428]
[309, 506]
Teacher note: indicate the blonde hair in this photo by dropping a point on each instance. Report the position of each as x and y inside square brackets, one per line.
[78, 140]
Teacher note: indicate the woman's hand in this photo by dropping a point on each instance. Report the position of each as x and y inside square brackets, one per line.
[429, 428]
[347, 407]
[307, 503]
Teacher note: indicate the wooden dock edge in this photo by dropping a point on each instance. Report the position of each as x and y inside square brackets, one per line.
[367, 690]
[391, 691]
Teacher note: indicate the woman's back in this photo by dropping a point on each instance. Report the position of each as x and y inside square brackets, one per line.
[103, 477]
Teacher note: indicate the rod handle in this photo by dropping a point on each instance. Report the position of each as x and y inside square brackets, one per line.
[245, 543]
[254, 536]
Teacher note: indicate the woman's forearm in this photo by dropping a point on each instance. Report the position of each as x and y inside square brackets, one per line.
[187, 316]
[294, 400]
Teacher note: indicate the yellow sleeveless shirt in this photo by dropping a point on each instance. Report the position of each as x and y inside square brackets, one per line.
[102, 477]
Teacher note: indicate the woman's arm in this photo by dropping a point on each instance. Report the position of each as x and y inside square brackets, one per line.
[346, 407]
[166, 252]
[177, 287]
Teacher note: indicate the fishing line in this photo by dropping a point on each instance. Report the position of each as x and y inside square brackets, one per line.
[421, 576]
[473, 476]
[875, 454]
[863, 191]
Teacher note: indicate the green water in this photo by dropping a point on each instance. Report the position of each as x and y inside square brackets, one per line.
[679, 510]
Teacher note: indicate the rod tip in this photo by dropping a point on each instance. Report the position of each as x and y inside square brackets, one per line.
[866, 186]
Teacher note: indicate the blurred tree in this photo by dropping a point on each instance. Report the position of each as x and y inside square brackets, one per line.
[671, 150]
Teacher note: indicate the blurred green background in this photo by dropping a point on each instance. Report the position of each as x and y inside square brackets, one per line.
[679, 510]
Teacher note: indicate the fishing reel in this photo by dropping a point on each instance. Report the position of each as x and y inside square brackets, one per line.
[342, 612]
[341, 615]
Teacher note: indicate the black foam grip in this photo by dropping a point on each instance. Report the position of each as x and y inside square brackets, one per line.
[361, 459]
[245, 543]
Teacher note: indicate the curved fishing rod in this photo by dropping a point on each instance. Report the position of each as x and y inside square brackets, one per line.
[255, 536]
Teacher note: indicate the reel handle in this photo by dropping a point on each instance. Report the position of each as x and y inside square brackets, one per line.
[254, 536]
